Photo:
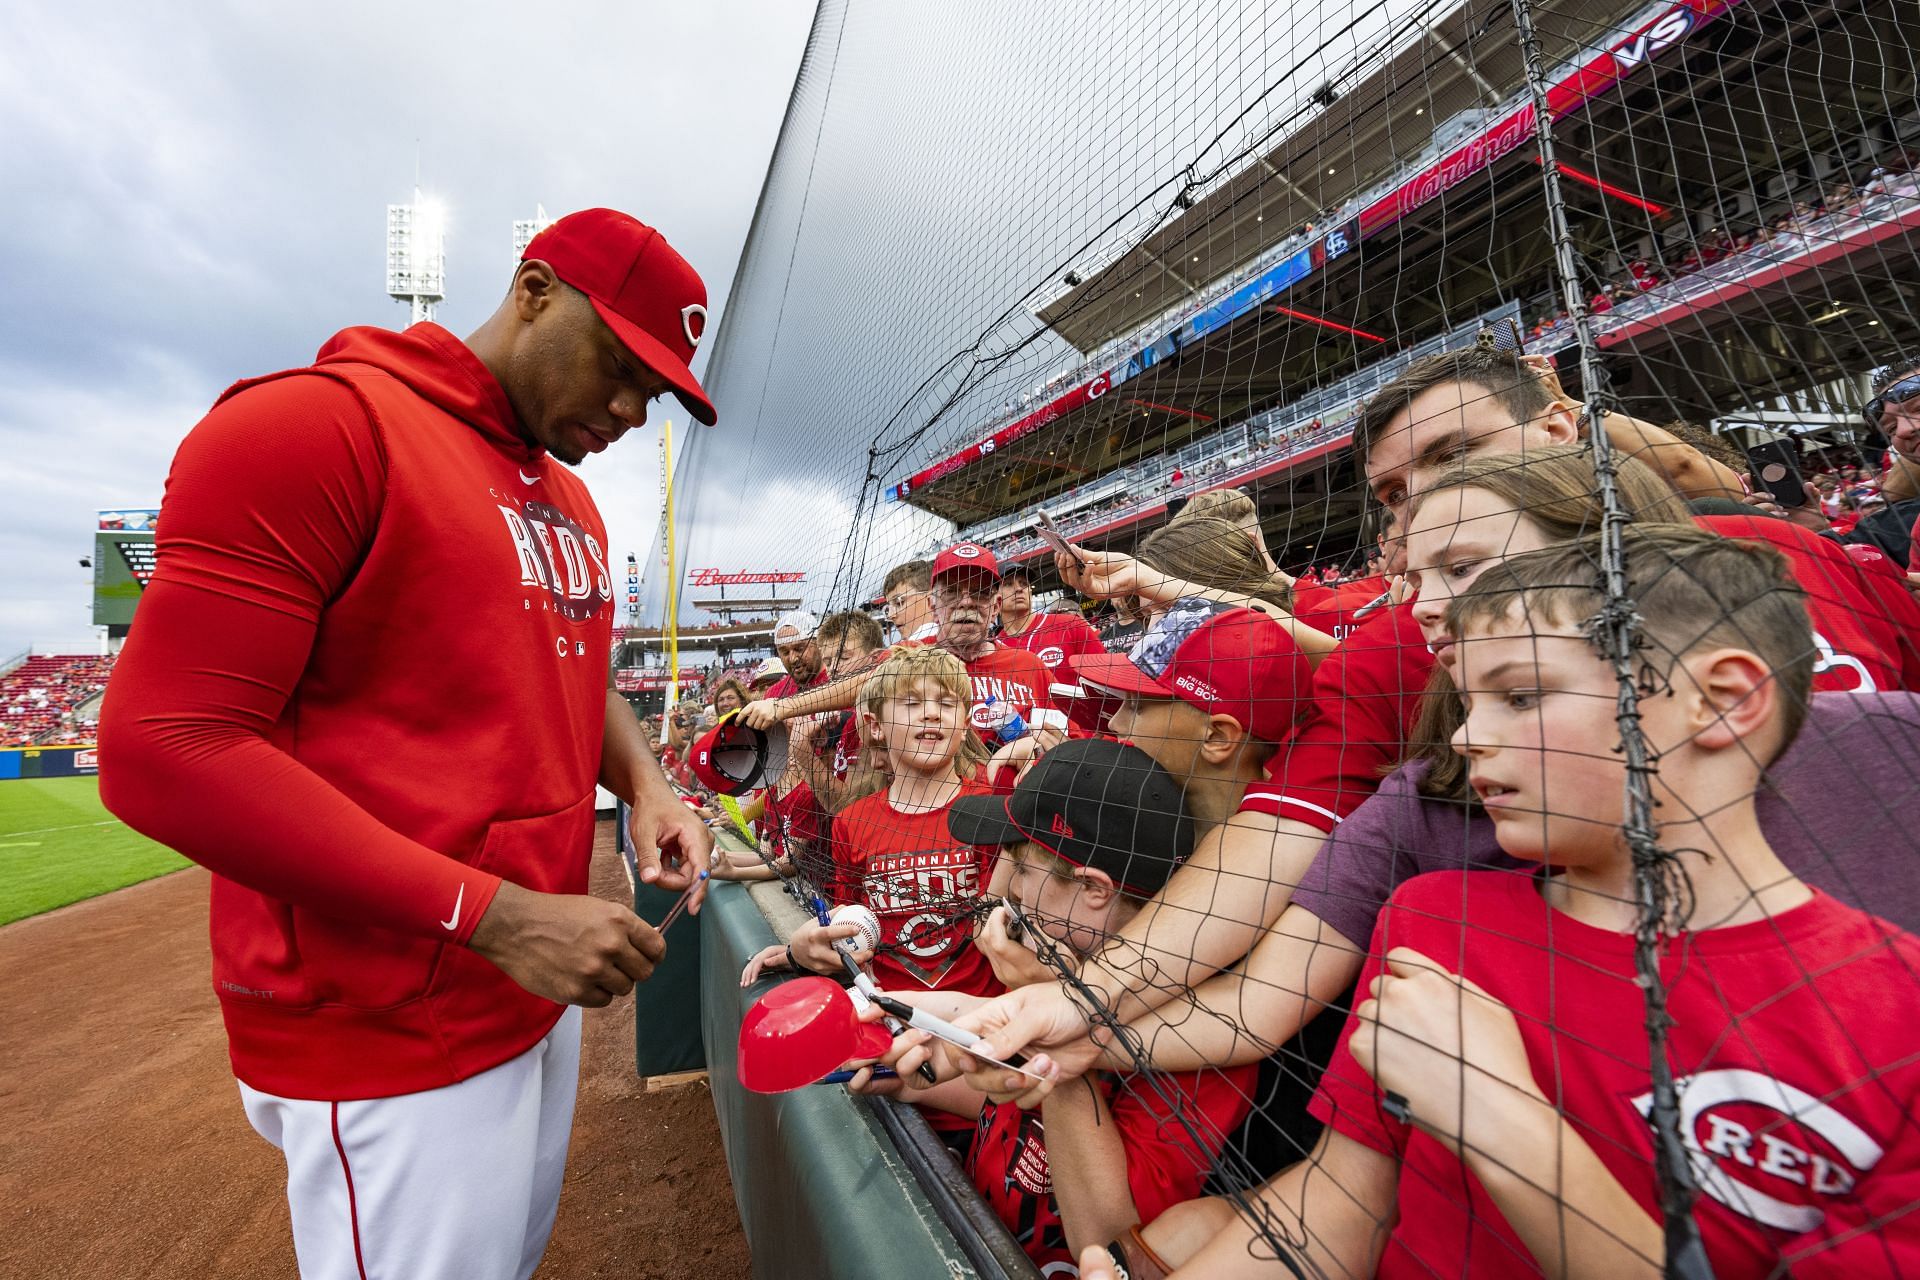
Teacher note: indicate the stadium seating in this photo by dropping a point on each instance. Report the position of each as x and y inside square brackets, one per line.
[40, 699]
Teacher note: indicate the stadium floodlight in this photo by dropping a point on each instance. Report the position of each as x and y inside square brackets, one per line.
[525, 229]
[417, 255]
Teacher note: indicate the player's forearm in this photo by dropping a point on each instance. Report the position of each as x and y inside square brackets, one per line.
[1088, 1164]
[1209, 914]
[1572, 1214]
[177, 767]
[627, 765]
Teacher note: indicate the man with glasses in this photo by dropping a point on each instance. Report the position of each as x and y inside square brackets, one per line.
[1894, 412]
[1006, 681]
[908, 593]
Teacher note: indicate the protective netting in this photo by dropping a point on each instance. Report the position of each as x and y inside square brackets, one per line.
[1485, 438]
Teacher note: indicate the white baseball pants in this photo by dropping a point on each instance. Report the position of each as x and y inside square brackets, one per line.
[457, 1183]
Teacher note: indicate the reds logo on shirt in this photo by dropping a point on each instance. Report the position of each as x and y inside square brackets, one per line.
[922, 900]
[1739, 1128]
[1053, 655]
[556, 554]
[994, 699]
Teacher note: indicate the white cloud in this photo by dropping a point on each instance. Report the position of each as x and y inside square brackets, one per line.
[199, 196]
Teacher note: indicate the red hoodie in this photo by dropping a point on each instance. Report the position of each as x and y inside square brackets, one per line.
[367, 682]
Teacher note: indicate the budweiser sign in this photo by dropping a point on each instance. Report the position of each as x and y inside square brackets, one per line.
[721, 578]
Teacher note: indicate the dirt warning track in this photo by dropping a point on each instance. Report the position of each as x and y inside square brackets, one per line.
[126, 1153]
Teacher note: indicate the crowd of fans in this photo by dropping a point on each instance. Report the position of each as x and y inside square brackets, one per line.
[41, 699]
[1719, 252]
[1645, 284]
[1317, 883]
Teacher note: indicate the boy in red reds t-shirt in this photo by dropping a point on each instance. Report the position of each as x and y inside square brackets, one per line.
[891, 849]
[1488, 1108]
[1092, 830]
[893, 854]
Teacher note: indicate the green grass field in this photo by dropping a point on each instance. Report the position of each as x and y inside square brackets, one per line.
[59, 845]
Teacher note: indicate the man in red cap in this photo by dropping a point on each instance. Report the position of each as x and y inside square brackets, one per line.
[368, 692]
[1007, 682]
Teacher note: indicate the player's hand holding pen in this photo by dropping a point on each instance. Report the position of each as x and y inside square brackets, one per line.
[569, 948]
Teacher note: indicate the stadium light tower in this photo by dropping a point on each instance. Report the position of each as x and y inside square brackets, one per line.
[417, 255]
[525, 229]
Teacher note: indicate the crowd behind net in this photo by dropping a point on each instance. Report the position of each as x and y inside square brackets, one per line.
[1338, 309]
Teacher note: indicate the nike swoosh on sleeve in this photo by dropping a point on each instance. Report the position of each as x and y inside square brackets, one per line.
[453, 922]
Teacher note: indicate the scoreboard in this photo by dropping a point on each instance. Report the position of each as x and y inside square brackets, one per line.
[122, 564]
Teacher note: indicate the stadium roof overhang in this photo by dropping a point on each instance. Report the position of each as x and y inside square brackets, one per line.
[1465, 61]
[1722, 350]
[1292, 323]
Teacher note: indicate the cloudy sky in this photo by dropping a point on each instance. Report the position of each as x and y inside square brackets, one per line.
[197, 193]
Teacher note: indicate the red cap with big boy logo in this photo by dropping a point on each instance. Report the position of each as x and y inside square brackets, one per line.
[654, 302]
[965, 555]
[1221, 658]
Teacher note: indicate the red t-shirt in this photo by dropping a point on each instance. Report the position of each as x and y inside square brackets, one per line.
[1791, 1042]
[1008, 1162]
[1865, 621]
[1055, 638]
[1365, 694]
[1004, 677]
[1331, 609]
[922, 884]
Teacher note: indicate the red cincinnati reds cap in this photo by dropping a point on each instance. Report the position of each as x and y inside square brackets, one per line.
[965, 555]
[653, 301]
[732, 758]
[1223, 659]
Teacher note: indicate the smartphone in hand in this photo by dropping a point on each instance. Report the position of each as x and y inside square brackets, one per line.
[1775, 467]
[1052, 536]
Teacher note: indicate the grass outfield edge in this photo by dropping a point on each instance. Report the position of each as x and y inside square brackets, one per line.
[59, 846]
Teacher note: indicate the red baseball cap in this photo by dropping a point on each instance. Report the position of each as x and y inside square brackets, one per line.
[654, 302]
[732, 758]
[965, 555]
[1221, 658]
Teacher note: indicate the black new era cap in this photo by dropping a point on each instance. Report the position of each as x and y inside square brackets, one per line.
[1096, 803]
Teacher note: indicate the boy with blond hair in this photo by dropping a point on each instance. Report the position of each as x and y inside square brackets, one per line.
[1488, 1106]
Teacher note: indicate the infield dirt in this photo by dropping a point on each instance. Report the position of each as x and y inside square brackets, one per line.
[126, 1153]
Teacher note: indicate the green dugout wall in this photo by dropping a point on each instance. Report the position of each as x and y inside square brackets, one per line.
[828, 1185]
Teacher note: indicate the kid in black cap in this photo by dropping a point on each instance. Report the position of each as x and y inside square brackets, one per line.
[1093, 830]
[1095, 805]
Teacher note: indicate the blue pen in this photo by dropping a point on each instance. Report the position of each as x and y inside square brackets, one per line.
[680, 904]
[842, 1076]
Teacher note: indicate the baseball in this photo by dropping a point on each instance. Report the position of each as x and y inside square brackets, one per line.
[869, 923]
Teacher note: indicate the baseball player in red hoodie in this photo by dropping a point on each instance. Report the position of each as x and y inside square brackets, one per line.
[368, 691]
